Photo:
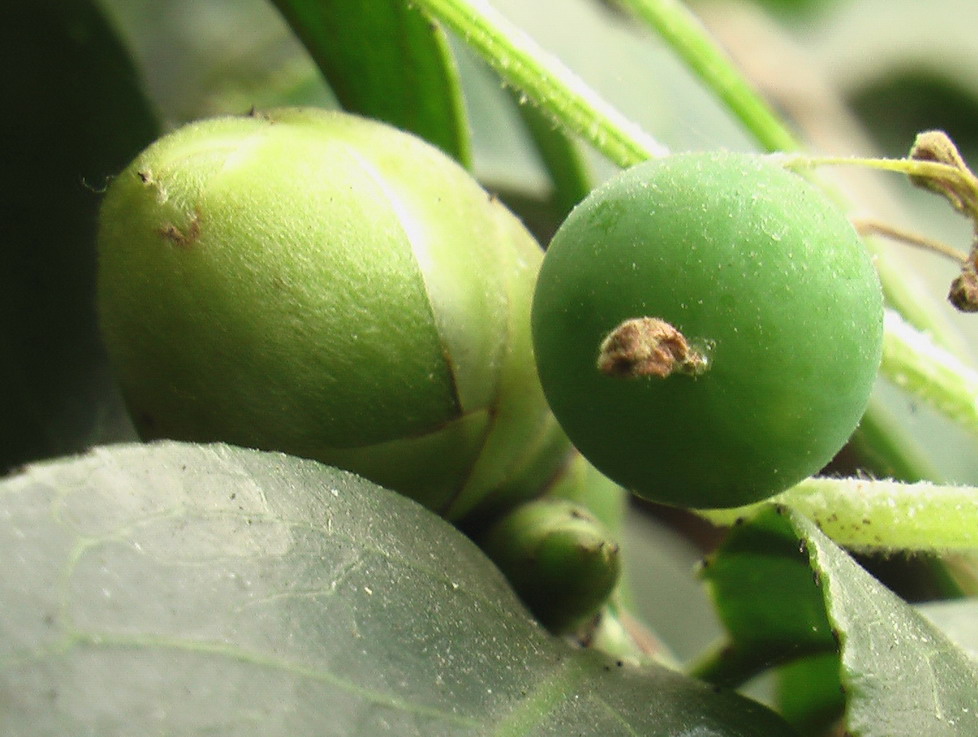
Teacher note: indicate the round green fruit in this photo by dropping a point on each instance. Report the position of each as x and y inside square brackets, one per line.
[320, 284]
[707, 328]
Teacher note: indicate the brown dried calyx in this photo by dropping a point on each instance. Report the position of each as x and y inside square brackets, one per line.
[964, 289]
[961, 191]
[648, 346]
[961, 188]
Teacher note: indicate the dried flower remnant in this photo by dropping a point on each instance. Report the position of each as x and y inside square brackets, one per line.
[648, 346]
[961, 191]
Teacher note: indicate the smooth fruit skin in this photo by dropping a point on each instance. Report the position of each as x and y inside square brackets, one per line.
[763, 275]
[328, 286]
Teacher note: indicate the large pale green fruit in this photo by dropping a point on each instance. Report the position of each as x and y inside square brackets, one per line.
[320, 284]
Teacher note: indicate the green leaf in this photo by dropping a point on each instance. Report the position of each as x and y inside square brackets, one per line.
[902, 676]
[809, 694]
[77, 117]
[762, 584]
[182, 589]
[387, 60]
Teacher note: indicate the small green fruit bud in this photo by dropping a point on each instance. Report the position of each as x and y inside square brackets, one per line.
[559, 558]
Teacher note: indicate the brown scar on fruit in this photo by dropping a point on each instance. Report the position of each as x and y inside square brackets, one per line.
[648, 346]
[180, 238]
[146, 177]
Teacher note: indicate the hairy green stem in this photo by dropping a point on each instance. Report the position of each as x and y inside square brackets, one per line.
[682, 30]
[924, 169]
[914, 362]
[868, 515]
[544, 80]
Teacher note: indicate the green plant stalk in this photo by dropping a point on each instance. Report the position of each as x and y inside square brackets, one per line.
[544, 80]
[911, 167]
[916, 363]
[870, 515]
[618, 634]
[682, 31]
[561, 155]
